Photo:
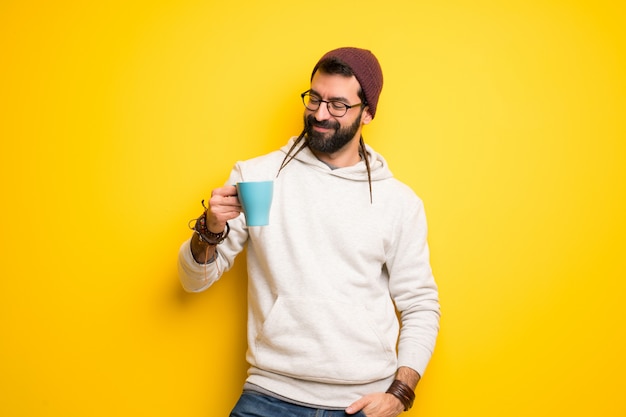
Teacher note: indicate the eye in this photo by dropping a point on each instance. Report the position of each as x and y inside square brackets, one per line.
[314, 100]
[338, 105]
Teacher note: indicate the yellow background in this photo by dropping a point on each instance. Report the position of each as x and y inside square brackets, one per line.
[117, 118]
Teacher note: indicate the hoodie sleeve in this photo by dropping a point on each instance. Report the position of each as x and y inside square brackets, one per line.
[196, 277]
[413, 288]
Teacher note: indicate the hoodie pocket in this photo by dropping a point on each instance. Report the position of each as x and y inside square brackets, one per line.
[326, 341]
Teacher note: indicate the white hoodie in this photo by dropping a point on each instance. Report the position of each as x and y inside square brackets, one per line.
[324, 277]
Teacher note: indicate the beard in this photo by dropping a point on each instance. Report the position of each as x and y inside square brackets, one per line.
[330, 142]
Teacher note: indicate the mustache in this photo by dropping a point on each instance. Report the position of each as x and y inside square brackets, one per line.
[326, 124]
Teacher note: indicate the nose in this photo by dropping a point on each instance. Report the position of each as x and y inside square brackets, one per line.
[322, 112]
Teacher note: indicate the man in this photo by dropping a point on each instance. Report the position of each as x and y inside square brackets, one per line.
[345, 249]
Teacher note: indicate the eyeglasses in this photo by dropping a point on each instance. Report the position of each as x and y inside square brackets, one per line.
[335, 108]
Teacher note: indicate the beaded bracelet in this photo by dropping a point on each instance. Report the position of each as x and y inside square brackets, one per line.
[205, 234]
[403, 392]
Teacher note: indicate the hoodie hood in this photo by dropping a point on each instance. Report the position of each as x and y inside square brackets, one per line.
[378, 165]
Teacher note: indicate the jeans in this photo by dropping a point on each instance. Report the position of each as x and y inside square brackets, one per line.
[252, 404]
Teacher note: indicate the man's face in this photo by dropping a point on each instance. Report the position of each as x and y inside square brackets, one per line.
[326, 133]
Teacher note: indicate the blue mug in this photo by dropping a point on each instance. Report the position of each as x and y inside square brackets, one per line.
[256, 199]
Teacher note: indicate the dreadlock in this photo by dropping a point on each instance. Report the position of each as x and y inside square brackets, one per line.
[289, 157]
[367, 166]
[295, 143]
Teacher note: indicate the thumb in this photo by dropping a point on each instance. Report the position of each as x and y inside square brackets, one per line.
[356, 406]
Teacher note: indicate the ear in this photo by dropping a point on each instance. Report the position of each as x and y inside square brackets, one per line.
[366, 118]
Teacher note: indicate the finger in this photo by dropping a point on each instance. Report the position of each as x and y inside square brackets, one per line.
[222, 198]
[227, 190]
[229, 209]
[230, 203]
[356, 406]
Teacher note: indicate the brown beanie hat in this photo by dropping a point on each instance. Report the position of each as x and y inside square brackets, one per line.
[366, 69]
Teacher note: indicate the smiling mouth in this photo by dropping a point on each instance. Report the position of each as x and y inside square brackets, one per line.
[321, 128]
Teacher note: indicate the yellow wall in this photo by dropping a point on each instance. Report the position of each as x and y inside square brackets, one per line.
[117, 118]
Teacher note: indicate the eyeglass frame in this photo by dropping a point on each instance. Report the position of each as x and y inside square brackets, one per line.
[347, 106]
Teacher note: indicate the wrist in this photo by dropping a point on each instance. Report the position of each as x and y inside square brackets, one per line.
[212, 239]
[402, 392]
